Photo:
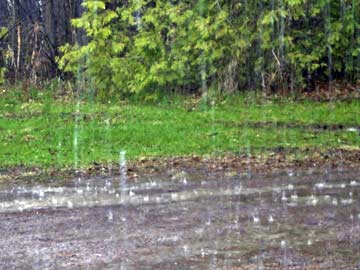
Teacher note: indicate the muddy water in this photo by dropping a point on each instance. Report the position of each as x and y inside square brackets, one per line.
[306, 220]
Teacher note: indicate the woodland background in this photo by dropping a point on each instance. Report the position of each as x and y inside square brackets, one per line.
[150, 47]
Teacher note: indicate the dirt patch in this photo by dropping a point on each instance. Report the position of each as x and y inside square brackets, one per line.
[274, 125]
[271, 161]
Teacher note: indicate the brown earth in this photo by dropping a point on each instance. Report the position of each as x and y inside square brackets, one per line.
[274, 160]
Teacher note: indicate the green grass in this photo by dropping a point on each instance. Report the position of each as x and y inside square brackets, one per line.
[41, 132]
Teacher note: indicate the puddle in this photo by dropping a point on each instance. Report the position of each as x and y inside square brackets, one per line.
[193, 221]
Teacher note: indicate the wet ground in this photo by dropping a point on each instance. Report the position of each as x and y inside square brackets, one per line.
[288, 220]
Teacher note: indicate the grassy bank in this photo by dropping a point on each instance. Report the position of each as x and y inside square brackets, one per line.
[49, 133]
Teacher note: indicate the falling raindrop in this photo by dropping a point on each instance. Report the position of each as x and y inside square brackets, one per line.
[294, 196]
[138, 15]
[313, 200]
[271, 219]
[41, 194]
[69, 204]
[283, 246]
[110, 215]
[335, 202]
[281, 41]
[186, 249]
[328, 32]
[256, 219]
[76, 133]
[108, 143]
[122, 162]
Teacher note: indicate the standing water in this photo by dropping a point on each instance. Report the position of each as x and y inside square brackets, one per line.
[302, 220]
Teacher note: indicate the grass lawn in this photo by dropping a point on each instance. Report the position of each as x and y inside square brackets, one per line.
[50, 133]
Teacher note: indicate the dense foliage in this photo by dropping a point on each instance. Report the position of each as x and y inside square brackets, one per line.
[225, 45]
[35, 31]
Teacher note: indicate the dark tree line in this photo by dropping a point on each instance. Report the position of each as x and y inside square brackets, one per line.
[189, 46]
[33, 31]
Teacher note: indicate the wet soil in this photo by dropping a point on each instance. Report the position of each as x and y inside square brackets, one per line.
[312, 127]
[270, 161]
[184, 219]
